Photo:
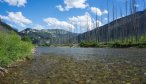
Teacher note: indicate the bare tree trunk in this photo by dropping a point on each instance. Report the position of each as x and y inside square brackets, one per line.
[113, 11]
[126, 7]
[108, 21]
[86, 34]
[96, 36]
[134, 6]
[131, 9]
[80, 31]
[0, 19]
[96, 19]
[144, 6]
[108, 10]
[116, 11]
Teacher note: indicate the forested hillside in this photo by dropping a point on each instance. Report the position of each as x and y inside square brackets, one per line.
[5, 27]
[132, 26]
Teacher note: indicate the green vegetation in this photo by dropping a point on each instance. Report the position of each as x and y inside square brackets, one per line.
[45, 44]
[88, 44]
[26, 39]
[123, 43]
[12, 48]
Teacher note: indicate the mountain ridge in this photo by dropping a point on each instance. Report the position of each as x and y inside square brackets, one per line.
[47, 36]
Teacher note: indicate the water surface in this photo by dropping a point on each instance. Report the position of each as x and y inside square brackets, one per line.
[81, 66]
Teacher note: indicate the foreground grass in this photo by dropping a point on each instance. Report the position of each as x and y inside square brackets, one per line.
[12, 48]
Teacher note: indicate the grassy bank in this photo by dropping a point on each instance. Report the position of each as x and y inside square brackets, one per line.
[12, 48]
[123, 43]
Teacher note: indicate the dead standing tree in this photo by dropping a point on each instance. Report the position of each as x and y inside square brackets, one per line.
[87, 33]
[144, 4]
[108, 16]
[0, 19]
[134, 9]
[126, 7]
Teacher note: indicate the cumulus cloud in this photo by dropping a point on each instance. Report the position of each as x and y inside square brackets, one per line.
[17, 18]
[98, 11]
[76, 23]
[57, 24]
[105, 18]
[17, 3]
[60, 8]
[69, 4]
[105, 12]
[38, 27]
[85, 21]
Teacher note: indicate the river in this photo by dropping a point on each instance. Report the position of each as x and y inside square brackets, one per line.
[81, 66]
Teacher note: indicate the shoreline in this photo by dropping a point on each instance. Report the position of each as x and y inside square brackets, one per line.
[99, 46]
[4, 70]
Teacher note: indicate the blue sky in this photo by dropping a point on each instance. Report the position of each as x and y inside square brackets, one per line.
[61, 14]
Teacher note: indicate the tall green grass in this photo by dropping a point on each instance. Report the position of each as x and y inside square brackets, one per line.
[13, 48]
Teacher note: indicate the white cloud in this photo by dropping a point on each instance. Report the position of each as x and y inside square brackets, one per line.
[17, 18]
[17, 3]
[38, 27]
[136, 5]
[84, 22]
[69, 4]
[60, 8]
[75, 23]
[57, 24]
[98, 11]
[105, 12]
[105, 18]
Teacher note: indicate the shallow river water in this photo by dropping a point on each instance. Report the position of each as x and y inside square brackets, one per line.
[81, 66]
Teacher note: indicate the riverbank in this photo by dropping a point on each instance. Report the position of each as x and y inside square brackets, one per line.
[13, 50]
[64, 45]
[112, 45]
[5, 70]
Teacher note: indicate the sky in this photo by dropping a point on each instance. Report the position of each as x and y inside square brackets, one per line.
[72, 15]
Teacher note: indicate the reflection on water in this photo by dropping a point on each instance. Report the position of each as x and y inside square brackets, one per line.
[81, 66]
[91, 52]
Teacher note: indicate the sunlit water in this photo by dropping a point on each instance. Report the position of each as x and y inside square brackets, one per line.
[81, 66]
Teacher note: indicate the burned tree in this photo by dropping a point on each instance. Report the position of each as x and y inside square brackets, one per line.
[144, 4]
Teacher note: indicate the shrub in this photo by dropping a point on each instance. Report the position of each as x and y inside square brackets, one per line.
[88, 44]
[13, 48]
[27, 39]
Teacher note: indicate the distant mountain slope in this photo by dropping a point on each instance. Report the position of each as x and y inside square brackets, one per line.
[5, 27]
[48, 36]
[130, 26]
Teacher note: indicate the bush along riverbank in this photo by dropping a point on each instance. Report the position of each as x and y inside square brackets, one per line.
[124, 43]
[12, 48]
